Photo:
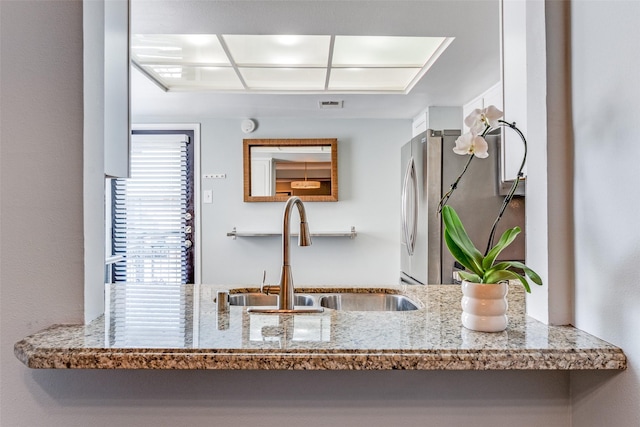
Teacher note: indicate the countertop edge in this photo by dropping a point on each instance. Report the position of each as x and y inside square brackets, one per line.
[460, 359]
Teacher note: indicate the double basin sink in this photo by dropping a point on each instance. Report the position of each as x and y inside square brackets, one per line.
[346, 301]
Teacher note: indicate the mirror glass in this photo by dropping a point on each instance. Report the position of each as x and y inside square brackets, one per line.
[275, 169]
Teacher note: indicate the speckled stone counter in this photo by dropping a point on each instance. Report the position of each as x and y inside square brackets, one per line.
[179, 327]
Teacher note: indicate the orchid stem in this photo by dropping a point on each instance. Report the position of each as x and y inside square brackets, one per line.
[452, 188]
[513, 189]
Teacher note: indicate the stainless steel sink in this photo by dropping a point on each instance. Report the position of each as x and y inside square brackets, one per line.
[367, 302]
[347, 301]
[260, 299]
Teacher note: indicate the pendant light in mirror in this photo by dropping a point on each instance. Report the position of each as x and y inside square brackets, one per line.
[306, 184]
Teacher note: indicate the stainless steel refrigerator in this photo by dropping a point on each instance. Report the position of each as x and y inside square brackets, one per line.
[429, 167]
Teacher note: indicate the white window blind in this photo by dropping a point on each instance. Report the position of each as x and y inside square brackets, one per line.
[150, 212]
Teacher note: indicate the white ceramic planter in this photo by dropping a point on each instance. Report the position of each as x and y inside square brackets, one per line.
[484, 306]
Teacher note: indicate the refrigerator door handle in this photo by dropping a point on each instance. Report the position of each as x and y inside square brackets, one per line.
[410, 207]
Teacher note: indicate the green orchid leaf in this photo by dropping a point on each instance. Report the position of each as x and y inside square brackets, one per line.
[454, 225]
[460, 255]
[524, 282]
[535, 278]
[501, 275]
[470, 277]
[498, 276]
[459, 235]
[505, 240]
[505, 265]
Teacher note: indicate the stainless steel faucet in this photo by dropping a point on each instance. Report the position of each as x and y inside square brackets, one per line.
[285, 301]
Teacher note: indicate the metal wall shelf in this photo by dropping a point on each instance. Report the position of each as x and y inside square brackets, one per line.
[235, 233]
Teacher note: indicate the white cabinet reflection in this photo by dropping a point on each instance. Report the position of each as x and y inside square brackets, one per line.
[286, 329]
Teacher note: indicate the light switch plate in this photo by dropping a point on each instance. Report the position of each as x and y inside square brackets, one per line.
[207, 196]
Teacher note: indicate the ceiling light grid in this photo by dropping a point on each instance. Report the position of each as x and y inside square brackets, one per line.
[287, 64]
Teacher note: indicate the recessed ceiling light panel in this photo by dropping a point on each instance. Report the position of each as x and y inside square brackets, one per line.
[204, 49]
[207, 78]
[371, 79]
[382, 51]
[278, 50]
[281, 79]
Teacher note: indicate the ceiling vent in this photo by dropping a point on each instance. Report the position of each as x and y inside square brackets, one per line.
[330, 104]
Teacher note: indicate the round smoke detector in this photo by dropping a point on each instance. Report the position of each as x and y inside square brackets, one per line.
[248, 125]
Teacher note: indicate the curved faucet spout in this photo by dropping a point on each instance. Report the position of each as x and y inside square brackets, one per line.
[285, 302]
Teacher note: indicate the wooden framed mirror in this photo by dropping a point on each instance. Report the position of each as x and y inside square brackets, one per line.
[276, 169]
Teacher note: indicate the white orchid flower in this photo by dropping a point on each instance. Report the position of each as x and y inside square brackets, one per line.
[479, 119]
[472, 144]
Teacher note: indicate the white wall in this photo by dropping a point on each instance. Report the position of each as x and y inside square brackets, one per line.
[549, 174]
[41, 246]
[606, 113]
[94, 157]
[369, 197]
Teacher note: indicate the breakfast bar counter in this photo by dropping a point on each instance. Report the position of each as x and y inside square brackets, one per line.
[180, 327]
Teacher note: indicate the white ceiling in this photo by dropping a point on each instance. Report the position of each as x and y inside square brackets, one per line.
[470, 65]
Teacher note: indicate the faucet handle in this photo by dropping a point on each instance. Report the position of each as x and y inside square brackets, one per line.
[264, 280]
[267, 289]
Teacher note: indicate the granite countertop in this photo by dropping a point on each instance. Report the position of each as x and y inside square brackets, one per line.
[179, 327]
